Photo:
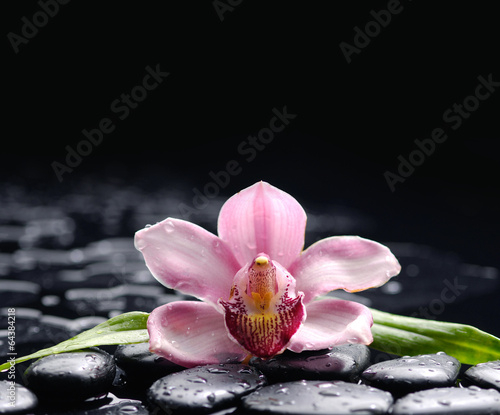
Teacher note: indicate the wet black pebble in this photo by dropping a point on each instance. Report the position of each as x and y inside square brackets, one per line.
[18, 293]
[472, 400]
[486, 375]
[343, 362]
[318, 397]
[15, 398]
[71, 376]
[410, 374]
[204, 389]
[141, 365]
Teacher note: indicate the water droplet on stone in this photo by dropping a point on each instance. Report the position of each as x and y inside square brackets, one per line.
[197, 379]
[128, 409]
[327, 392]
[217, 370]
[245, 370]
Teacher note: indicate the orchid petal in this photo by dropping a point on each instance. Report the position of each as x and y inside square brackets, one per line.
[348, 262]
[331, 322]
[191, 333]
[262, 218]
[186, 257]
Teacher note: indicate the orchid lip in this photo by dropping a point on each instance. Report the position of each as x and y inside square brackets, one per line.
[263, 311]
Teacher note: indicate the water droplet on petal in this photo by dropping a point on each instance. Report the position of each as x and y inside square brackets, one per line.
[169, 226]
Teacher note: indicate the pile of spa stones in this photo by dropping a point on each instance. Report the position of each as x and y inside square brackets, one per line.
[343, 380]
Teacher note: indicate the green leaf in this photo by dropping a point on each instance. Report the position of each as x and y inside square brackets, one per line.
[411, 336]
[123, 329]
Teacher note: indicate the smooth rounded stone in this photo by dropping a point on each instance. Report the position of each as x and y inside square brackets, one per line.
[318, 397]
[410, 374]
[45, 259]
[471, 400]
[71, 376]
[35, 331]
[126, 297]
[204, 389]
[486, 375]
[18, 293]
[142, 366]
[344, 362]
[15, 398]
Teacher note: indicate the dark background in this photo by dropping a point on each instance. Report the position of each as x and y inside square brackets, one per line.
[353, 119]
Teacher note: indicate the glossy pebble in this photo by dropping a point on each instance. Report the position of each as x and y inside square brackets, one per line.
[472, 400]
[204, 389]
[318, 397]
[485, 375]
[71, 376]
[141, 365]
[343, 362]
[410, 374]
[15, 398]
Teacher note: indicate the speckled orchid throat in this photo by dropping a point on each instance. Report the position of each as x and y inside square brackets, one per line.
[263, 311]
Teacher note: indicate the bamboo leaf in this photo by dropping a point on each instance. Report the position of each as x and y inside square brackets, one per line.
[125, 328]
[410, 336]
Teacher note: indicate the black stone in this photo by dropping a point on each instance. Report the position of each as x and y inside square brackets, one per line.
[343, 362]
[34, 331]
[71, 376]
[18, 293]
[410, 374]
[123, 298]
[318, 397]
[103, 405]
[142, 366]
[204, 389]
[15, 398]
[472, 400]
[486, 375]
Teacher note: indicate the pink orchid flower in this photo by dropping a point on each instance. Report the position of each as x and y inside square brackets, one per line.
[258, 289]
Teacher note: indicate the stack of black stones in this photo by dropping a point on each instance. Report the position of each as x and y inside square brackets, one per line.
[68, 263]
